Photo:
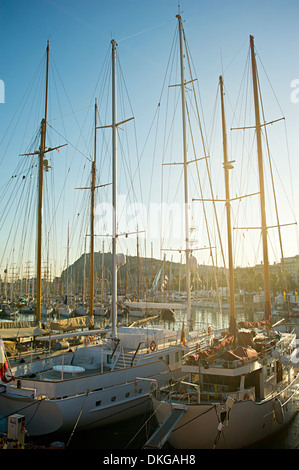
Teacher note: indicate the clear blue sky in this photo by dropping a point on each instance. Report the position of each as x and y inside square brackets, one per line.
[80, 33]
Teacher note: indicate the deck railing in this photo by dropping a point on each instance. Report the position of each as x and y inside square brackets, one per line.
[205, 392]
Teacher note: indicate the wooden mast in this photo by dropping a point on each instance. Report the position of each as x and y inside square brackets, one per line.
[67, 264]
[40, 200]
[187, 247]
[92, 211]
[267, 308]
[227, 166]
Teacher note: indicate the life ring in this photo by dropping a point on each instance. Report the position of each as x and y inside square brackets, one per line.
[153, 346]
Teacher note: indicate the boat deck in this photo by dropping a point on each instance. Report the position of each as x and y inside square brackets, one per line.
[64, 374]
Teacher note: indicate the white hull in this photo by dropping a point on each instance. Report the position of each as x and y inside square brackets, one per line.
[64, 312]
[46, 311]
[136, 313]
[248, 423]
[79, 312]
[10, 313]
[103, 399]
[100, 384]
[26, 309]
[100, 311]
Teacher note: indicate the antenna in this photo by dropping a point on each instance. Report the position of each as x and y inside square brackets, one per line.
[179, 9]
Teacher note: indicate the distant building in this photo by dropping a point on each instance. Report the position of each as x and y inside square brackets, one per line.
[292, 266]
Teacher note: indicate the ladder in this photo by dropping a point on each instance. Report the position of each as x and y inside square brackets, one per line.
[123, 360]
[160, 436]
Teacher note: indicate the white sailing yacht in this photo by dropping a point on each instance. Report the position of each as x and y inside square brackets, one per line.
[110, 377]
[245, 387]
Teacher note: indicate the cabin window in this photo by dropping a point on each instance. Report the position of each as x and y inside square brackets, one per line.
[109, 359]
[113, 398]
[98, 403]
[167, 359]
[140, 390]
[127, 394]
[177, 358]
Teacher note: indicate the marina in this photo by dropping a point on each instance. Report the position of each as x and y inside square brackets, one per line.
[132, 434]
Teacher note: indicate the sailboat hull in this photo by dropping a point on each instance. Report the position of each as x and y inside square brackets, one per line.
[248, 422]
[60, 416]
[87, 402]
[43, 415]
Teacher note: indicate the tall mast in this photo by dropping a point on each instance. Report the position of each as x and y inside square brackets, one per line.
[267, 311]
[114, 192]
[47, 84]
[138, 268]
[40, 200]
[183, 93]
[67, 263]
[92, 211]
[102, 284]
[84, 266]
[227, 165]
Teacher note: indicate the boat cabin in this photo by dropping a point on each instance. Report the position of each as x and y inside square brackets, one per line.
[251, 371]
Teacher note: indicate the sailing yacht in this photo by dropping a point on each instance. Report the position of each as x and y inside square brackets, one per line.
[245, 387]
[109, 377]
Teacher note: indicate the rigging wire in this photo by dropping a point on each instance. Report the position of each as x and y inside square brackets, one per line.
[19, 111]
[145, 31]
[209, 179]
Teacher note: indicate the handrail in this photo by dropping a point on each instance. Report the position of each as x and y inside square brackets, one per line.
[283, 389]
[171, 339]
[137, 349]
[117, 357]
[115, 348]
